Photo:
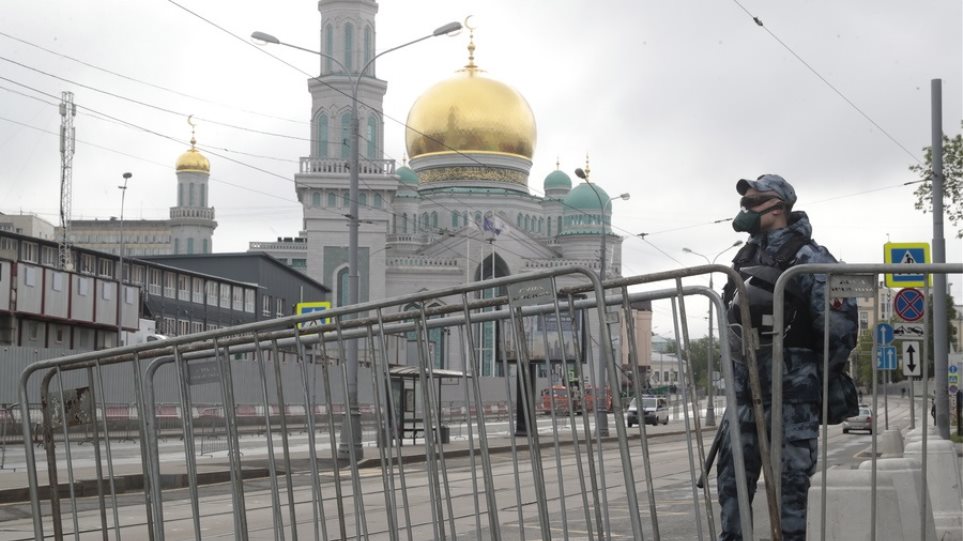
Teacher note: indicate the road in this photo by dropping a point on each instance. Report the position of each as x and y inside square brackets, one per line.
[454, 514]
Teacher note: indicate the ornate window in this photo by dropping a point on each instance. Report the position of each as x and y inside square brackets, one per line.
[367, 44]
[372, 137]
[328, 46]
[348, 47]
[332, 199]
[321, 121]
[345, 136]
[316, 199]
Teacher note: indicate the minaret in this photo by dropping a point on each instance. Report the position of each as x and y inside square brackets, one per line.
[192, 220]
[348, 37]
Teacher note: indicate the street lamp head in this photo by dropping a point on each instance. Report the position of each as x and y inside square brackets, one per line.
[127, 175]
[440, 31]
[688, 251]
[625, 196]
[580, 174]
[737, 243]
[265, 38]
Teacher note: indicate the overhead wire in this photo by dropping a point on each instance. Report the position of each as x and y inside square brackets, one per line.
[826, 81]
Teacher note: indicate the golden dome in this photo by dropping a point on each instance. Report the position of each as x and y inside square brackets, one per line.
[192, 160]
[471, 113]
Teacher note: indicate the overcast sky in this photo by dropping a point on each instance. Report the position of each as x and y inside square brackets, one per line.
[673, 101]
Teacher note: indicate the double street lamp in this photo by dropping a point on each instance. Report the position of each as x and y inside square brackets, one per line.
[710, 409]
[601, 416]
[353, 223]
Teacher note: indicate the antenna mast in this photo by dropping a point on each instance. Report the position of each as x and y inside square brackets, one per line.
[67, 113]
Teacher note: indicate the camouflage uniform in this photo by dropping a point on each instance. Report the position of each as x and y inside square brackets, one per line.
[802, 388]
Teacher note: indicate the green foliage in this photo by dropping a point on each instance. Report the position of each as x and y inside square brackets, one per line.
[699, 353]
[952, 183]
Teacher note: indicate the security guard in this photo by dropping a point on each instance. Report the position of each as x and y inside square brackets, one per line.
[780, 238]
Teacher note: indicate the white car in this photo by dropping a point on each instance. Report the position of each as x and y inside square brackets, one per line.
[655, 410]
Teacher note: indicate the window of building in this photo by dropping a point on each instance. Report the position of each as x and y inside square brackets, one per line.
[8, 245]
[266, 306]
[321, 121]
[348, 47]
[197, 290]
[29, 252]
[203, 189]
[299, 263]
[197, 326]
[454, 219]
[316, 199]
[279, 309]
[225, 296]
[377, 200]
[328, 45]
[183, 327]
[183, 287]
[367, 44]
[345, 136]
[237, 299]
[363, 199]
[210, 289]
[434, 220]
[177, 246]
[205, 247]
[372, 137]
[170, 280]
[190, 245]
[154, 282]
[49, 256]
[249, 300]
[346, 199]
[190, 194]
[180, 195]
[105, 267]
[332, 199]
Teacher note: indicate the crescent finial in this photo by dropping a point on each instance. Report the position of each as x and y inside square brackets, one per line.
[190, 121]
[466, 25]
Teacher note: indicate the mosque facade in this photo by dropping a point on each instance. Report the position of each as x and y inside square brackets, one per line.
[461, 210]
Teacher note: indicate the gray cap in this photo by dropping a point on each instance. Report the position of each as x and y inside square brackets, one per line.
[769, 183]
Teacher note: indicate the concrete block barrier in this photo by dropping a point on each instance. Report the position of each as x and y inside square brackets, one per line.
[890, 444]
[848, 497]
[907, 476]
[916, 435]
[943, 483]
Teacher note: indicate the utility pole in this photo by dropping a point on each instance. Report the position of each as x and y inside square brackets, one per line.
[67, 113]
[940, 357]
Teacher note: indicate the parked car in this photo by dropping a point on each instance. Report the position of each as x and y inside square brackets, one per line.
[655, 410]
[862, 421]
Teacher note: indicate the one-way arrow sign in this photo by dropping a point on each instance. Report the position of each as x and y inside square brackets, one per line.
[911, 359]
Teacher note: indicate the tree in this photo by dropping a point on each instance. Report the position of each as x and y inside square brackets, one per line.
[952, 181]
[699, 351]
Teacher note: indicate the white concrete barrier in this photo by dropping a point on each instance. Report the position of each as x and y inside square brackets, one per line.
[848, 496]
[906, 477]
[943, 484]
[916, 435]
[890, 444]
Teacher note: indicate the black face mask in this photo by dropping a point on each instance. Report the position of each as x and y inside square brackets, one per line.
[749, 221]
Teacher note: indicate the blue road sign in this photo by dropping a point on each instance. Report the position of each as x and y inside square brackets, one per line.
[906, 253]
[909, 304]
[883, 334]
[886, 358]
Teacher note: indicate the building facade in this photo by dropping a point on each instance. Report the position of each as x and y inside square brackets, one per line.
[462, 210]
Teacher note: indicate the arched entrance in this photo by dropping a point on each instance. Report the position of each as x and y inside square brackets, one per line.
[489, 334]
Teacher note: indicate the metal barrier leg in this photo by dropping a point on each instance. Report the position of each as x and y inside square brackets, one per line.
[222, 359]
[282, 406]
[187, 415]
[276, 514]
[110, 461]
[317, 500]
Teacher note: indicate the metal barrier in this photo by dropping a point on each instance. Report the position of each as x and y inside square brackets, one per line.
[831, 271]
[563, 474]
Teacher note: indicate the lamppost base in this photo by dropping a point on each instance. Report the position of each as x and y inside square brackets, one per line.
[344, 448]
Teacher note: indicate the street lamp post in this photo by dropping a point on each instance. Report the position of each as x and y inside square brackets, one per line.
[601, 416]
[710, 408]
[352, 413]
[120, 262]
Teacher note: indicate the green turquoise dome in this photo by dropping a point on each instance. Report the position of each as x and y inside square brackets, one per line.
[558, 180]
[587, 197]
[406, 175]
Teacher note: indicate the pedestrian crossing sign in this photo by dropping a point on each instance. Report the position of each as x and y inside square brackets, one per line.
[906, 253]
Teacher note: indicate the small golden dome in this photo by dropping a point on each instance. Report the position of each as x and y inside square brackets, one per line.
[471, 113]
[192, 160]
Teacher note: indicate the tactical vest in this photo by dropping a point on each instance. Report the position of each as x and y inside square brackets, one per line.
[759, 271]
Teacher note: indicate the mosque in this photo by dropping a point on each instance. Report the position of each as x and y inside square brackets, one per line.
[461, 210]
